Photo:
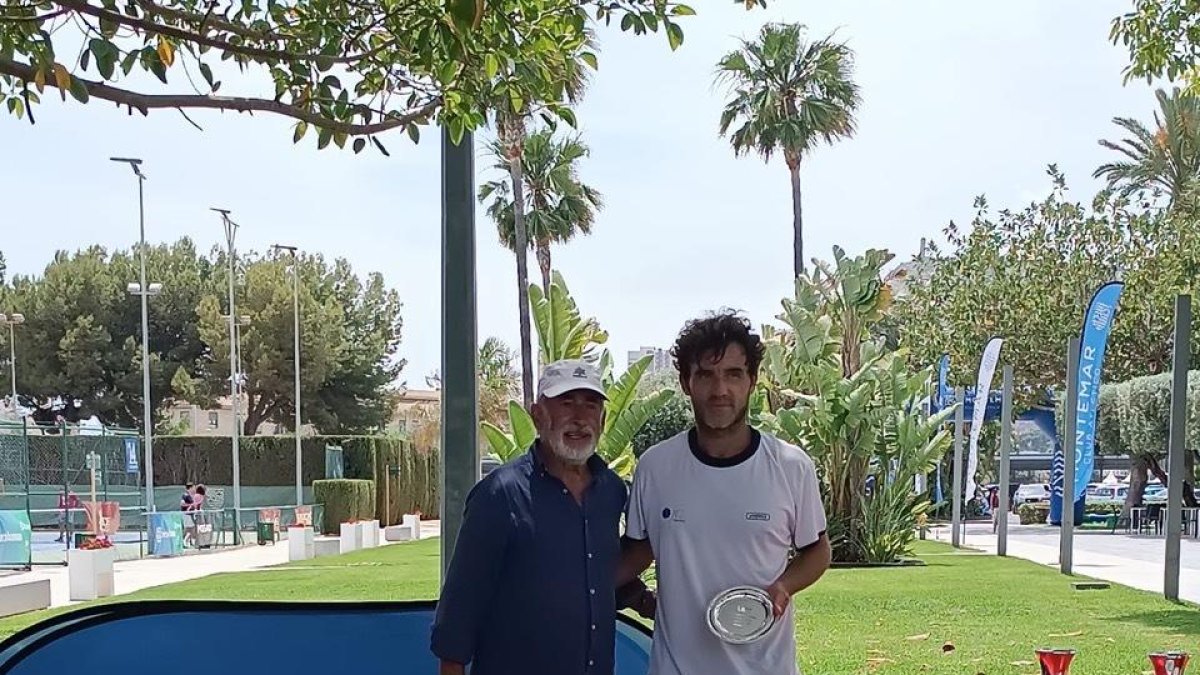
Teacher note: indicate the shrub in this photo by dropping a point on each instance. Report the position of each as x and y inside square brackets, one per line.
[344, 499]
[1033, 514]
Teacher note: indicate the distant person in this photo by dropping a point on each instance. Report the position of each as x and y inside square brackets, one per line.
[188, 498]
[66, 502]
[530, 588]
[198, 497]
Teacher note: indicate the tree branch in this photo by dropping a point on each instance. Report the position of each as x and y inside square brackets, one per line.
[187, 36]
[146, 102]
[33, 19]
[153, 9]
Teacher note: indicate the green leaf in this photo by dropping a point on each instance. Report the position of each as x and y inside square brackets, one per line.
[414, 132]
[627, 22]
[301, 129]
[457, 130]
[590, 59]
[491, 65]
[79, 90]
[359, 144]
[567, 115]
[674, 35]
[206, 71]
[340, 138]
[683, 10]
[130, 59]
[524, 430]
[447, 71]
[323, 137]
[500, 443]
[85, 58]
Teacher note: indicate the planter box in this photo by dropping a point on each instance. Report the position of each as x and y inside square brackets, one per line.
[323, 546]
[351, 537]
[90, 573]
[19, 597]
[300, 544]
[413, 521]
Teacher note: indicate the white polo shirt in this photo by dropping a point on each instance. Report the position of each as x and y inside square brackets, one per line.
[716, 524]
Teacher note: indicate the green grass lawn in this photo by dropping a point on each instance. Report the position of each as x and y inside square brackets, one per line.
[993, 611]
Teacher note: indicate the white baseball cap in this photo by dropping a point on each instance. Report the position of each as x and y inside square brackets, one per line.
[561, 377]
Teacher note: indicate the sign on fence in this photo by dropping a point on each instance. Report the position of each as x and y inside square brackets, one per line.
[103, 518]
[304, 516]
[166, 533]
[131, 455]
[15, 538]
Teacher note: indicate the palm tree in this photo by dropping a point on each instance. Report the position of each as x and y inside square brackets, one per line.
[511, 118]
[1166, 159]
[558, 205]
[788, 95]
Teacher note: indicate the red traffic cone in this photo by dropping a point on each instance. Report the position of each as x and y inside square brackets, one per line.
[1169, 663]
[1055, 661]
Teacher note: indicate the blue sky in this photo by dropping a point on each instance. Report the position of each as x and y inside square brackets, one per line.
[959, 99]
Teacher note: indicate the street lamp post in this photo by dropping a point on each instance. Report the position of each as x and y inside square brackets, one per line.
[144, 291]
[230, 235]
[12, 321]
[296, 358]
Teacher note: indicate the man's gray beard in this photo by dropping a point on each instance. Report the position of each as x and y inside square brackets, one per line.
[570, 455]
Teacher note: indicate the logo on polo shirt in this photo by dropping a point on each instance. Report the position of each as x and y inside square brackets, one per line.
[579, 372]
[675, 515]
[758, 515]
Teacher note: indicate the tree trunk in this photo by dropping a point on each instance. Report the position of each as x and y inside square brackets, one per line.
[517, 176]
[1138, 477]
[797, 219]
[1189, 496]
[543, 258]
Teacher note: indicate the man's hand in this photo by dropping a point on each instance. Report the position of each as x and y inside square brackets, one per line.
[647, 605]
[780, 597]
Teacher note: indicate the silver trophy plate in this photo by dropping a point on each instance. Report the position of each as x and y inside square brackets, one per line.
[741, 615]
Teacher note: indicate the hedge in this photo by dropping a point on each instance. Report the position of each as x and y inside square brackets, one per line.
[270, 461]
[345, 500]
[1134, 417]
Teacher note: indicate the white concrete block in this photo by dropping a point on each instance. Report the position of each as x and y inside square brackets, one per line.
[323, 546]
[90, 573]
[300, 543]
[413, 521]
[351, 537]
[18, 597]
[397, 533]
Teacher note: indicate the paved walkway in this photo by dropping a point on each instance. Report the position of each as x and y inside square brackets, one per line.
[1130, 560]
[134, 575]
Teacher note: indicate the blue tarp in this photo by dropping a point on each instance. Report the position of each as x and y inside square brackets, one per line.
[150, 638]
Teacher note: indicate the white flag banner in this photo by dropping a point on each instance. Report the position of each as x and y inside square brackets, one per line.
[987, 368]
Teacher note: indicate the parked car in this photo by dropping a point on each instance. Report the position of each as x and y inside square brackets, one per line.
[1031, 493]
[1109, 494]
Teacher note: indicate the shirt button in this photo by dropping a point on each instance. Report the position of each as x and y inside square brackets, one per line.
[591, 662]
[593, 626]
[564, 491]
[593, 591]
[589, 556]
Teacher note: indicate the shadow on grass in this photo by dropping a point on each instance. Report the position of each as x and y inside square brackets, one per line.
[1184, 620]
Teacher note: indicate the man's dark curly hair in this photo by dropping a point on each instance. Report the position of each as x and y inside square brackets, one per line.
[711, 336]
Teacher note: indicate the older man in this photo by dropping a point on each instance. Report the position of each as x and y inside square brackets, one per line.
[530, 588]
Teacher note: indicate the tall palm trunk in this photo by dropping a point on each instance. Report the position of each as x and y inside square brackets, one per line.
[512, 132]
[543, 258]
[797, 218]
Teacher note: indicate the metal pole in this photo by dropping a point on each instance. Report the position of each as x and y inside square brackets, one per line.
[956, 524]
[148, 421]
[230, 235]
[1066, 534]
[296, 361]
[459, 446]
[1175, 457]
[1005, 461]
[12, 367]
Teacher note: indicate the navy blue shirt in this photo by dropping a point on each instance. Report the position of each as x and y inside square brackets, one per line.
[530, 588]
